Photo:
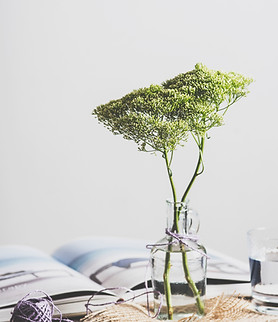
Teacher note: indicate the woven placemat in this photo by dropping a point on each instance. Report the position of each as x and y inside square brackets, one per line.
[120, 313]
[221, 308]
[230, 308]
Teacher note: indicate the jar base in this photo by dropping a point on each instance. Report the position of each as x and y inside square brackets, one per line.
[179, 311]
[178, 315]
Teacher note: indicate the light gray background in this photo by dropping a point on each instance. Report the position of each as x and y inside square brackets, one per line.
[63, 175]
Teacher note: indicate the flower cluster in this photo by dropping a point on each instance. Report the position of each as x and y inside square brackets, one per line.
[160, 117]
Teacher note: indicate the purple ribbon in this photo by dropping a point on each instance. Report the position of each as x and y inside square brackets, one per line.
[180, 239]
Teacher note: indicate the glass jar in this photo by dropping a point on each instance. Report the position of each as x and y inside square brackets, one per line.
[179, 265]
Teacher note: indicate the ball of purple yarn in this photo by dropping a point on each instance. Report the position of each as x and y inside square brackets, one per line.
[33, 310]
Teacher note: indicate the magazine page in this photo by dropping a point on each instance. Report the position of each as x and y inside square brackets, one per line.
[24, 270]
[225, 269]
[118, 262]
[108, 261]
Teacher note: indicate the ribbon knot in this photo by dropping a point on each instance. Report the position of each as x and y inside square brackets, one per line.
[183, 239]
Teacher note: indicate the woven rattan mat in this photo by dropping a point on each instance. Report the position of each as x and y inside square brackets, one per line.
[221, 308]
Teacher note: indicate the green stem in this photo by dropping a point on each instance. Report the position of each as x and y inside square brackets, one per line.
[169, 171]
[175, 228]
[170, 175]
[192, 285]
[194, 289]
[196, 172]
[167, 285]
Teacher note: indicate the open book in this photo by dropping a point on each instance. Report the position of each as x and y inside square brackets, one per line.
[86, 266]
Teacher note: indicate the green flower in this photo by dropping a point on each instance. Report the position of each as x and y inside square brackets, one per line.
[160, 117]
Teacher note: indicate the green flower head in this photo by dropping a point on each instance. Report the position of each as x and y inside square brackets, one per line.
[160, 117]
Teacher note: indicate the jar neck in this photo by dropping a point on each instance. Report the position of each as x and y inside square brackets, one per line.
[177, 217]
[181, 219]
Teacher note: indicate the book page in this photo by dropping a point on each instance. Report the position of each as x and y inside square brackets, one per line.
[110, 262]
[24, 270]
[226, 269]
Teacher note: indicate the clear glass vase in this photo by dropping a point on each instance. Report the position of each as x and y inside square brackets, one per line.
[179, 266]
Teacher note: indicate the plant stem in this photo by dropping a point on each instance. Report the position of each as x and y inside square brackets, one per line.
[175, 228]
[199, 302]
[170, 175]
[196, 172]
[196, 293]
[167, 285]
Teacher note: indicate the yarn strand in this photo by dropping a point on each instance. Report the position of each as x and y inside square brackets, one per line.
[36, 309]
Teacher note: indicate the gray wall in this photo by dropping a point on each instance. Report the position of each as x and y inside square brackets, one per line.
[63, 175]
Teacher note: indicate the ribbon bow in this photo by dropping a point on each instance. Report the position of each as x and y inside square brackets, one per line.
[180, 239]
